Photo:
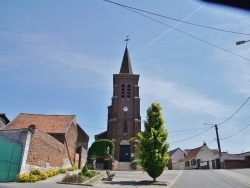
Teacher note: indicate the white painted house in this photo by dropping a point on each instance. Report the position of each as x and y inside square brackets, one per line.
[199, 158]
[177, 156]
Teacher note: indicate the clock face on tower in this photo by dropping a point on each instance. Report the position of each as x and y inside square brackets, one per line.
[125, 109]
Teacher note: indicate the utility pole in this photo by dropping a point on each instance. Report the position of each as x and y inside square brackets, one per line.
[218, 142]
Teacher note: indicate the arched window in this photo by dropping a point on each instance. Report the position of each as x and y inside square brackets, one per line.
[128, 91]
[125, 127]
[123, 91]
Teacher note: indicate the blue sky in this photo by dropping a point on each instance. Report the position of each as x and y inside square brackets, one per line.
[59, 57]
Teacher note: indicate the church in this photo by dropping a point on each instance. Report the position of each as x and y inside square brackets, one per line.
[124, 120]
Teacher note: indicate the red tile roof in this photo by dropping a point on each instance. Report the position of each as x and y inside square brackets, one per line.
[192, 153]
[46, 123]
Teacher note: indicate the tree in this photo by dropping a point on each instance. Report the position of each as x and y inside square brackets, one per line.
[100, 148]
[152, 145]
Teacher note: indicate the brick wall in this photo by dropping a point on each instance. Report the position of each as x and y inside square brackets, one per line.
[70, 146]
[45, 149]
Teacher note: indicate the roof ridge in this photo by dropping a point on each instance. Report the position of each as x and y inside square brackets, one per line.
[48, 114]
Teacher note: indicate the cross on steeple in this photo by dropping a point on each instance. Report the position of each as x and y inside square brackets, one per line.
[127, 39]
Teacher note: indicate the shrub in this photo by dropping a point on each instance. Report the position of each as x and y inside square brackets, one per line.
[44, 176]
[74, 167]
[37, 171]
[61, 170]
[85, 169]
[90, 174]
[51, 172]
[34, 178]
[23, 177]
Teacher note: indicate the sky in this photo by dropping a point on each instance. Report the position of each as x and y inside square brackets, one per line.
[59, 57]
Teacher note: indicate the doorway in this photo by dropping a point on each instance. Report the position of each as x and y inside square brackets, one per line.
[124, 153]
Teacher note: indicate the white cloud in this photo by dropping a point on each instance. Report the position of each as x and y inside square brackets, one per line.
[181, 98]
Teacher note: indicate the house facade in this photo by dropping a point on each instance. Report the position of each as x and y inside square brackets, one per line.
[199, 158]
[48, 140]
[176, 157]
[124, 120]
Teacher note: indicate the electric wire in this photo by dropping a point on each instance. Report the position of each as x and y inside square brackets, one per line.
[190, 23]
[204, 41]
[235, 133]
[234, 112]
[236, 126]
[191, 129]
[230, 116]
[192, 136]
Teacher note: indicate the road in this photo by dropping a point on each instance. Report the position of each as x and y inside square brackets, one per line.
[214, 178]
[239, 178]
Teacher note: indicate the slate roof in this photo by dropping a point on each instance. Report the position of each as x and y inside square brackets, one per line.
[173, 151]
[46, 123]
[126, 67]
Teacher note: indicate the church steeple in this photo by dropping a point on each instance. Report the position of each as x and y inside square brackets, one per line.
[126, 67]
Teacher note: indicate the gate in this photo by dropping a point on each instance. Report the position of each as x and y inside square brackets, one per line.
[10, 156]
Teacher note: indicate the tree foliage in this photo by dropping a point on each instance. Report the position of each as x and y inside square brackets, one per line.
[152, 143]
[99, 148]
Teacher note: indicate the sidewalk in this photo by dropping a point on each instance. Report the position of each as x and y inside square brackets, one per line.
[236, 176]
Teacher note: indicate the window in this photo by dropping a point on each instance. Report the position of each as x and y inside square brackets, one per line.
[128, 92]
[123, 91]
[125, 127]
[187, 163]
[193, 162]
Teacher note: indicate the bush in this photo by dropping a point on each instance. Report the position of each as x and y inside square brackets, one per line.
[90, 174]
[23, 177]
[34, 178]
[85, 169]
[62, 170]
[52, 172]
[74, 167]
[44, 176]
[37, 171]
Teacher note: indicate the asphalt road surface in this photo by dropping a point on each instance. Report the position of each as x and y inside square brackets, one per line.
[213, 178]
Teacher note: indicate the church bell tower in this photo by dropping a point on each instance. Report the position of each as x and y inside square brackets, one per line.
[124, 120]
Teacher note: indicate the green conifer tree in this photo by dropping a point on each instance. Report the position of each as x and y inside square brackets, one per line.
[152, 143]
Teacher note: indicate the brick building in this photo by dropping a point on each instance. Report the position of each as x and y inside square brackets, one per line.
[48, 140]
[124, 120]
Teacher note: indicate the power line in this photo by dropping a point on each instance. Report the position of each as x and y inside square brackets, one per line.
[236, 126]
[236, 132]
[235, 112]
[191, 129]
[230, 116]
[190, 23]
[185, 33]
[192, 136]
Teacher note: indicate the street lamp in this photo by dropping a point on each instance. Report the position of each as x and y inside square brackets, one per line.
[242, 42]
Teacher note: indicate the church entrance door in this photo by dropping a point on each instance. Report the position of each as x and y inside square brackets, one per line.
[124, 153]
